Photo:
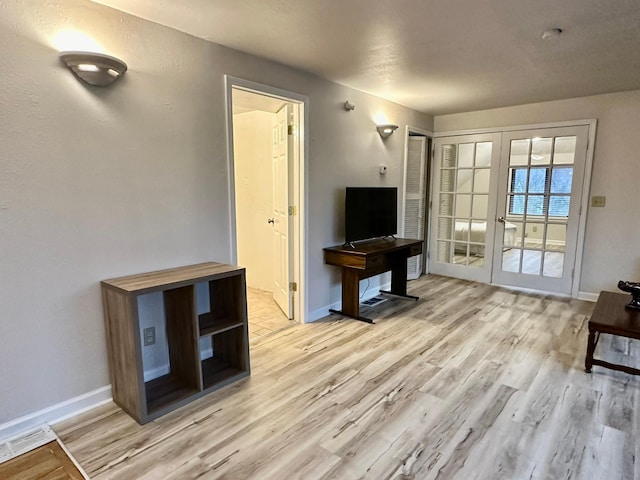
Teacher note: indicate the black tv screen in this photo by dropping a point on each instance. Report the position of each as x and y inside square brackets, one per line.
[370, 212]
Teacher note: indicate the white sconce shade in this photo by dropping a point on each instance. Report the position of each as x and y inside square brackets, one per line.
[386, 130]
[96, 69]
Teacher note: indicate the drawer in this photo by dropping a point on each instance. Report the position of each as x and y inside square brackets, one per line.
[376, 261]
[415, 250]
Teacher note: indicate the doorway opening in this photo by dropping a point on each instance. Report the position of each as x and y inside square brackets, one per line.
[266, 164]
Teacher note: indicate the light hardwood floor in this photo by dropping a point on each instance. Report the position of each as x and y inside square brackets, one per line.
[470, 382]
[48, 462]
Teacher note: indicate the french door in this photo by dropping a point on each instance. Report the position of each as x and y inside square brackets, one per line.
[539, 196]
[463, 206]
[506, 207]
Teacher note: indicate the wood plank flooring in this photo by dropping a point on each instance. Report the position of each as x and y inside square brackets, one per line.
[48, 462]
[470, 382]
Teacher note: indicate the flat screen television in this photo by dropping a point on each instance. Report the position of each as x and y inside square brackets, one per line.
[370, 212]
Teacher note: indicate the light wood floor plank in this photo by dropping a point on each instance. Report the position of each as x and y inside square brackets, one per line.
[472, 382]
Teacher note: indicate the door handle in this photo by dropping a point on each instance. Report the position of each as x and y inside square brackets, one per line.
[270, 221]
[501, 219]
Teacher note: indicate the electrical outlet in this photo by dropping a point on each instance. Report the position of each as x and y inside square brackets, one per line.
[598, 201]
[149, 336]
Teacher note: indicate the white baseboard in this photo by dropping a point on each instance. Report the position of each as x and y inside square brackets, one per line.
[589, 297]
[56, 413]
[324, 311]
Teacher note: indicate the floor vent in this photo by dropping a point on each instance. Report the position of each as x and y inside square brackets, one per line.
[25, 442]
[372, 302]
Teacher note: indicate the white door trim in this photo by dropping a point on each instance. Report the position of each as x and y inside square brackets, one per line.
[300, 254]
[512, 128]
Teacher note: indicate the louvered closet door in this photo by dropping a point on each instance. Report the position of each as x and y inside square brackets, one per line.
[464, 206]
[414, 199]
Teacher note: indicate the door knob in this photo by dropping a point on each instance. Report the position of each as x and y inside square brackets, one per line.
[501, 219]
[270, 221]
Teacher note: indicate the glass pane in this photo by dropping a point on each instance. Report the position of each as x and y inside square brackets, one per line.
[465, 156]
[537, 180]
[511, 260]
[476, 259]
[518, 180]
[444, 227]
[446, 204]
[559, 205]
[535, 205]
[465, 177]
[481, 180]
[531, 262]
[556, 237]
[479, 207]
[519, 154]
[561, 180]
[449, 156]
[515, 205]
[534, 233]
[478, 232]
[462, 230]
[447, 180]
[463, 206]
[553, 264]
[541, 151]
[461, 254]
[443, 255]
[512, 234]
[483, 154]
[565, 151]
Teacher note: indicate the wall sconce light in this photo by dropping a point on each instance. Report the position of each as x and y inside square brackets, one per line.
[349, 106]
[386, 130]
[95, 69]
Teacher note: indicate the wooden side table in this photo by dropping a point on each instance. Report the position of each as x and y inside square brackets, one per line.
[610, 316]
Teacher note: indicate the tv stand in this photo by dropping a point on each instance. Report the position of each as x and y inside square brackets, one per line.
[367, 259]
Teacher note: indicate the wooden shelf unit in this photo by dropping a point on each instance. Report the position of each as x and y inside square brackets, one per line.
[224, 326]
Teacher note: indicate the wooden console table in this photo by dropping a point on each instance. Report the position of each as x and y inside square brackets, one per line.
[610, 316]
[366, 260]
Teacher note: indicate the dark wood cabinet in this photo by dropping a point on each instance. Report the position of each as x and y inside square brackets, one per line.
[192, 372]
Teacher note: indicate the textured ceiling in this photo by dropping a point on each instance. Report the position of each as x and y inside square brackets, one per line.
[435, 56]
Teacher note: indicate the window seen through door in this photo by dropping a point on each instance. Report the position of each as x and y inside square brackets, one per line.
[549, 190]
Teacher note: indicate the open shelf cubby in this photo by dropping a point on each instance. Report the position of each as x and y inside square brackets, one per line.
[224, 327]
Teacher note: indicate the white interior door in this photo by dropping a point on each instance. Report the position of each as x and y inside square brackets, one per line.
[414, 199]
[540, 190]
[464, 206]
[282, 225]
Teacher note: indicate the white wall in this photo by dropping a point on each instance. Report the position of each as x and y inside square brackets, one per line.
[98, 183]
[253, 173]
[612, 234]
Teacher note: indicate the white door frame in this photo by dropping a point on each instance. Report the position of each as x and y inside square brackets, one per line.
[586, 182]
[299, 254]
